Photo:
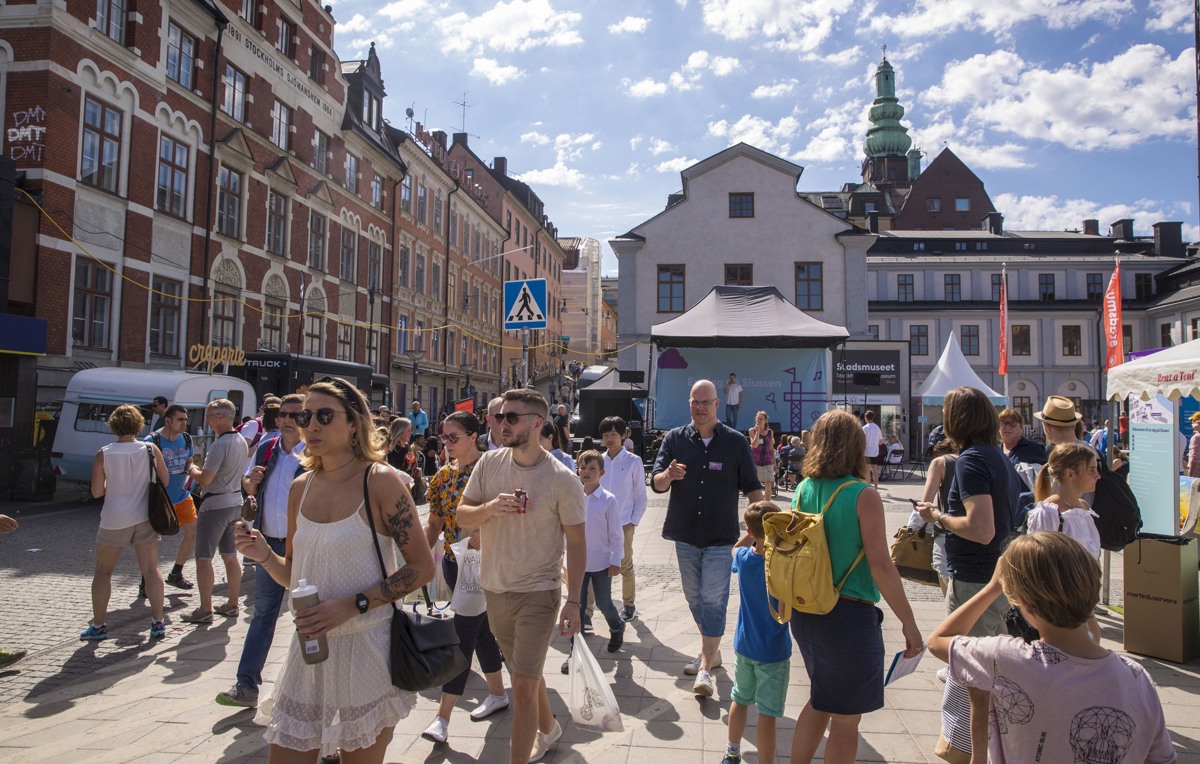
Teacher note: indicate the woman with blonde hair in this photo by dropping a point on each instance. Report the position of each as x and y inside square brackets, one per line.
[347, 517]
[762, 445]
[843, 649]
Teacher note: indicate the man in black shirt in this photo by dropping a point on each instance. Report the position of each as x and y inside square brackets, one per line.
[705, 465]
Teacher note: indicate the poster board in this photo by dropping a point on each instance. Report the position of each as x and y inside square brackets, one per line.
[1154, 463]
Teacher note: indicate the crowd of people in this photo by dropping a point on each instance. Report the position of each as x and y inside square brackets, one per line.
[308, 491]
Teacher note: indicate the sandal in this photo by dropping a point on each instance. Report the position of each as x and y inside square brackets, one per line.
[198, 616]
[229, 611]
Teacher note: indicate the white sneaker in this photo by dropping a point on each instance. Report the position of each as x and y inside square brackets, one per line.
[942, 674]
[438, 731]
[704, 686]
[490, 705]
[693, 666]
[545, 740]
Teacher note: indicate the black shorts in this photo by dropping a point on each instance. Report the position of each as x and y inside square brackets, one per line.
[879, 460]
[843, 655]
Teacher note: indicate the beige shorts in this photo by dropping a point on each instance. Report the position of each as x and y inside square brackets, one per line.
[766, 473]
[134, 535]
[524, 623]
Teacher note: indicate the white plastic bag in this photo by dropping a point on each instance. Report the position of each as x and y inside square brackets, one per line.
[593, 705]
[468, 598]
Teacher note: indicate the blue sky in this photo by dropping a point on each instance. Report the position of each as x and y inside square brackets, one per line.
[1067, 109]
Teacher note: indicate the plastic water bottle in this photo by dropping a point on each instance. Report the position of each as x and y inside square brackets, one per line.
[312, 649]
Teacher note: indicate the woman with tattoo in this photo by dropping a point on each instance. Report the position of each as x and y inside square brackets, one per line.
[348, 701]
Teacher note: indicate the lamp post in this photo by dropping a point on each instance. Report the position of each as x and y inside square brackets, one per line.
[468, 391]
[415, 356]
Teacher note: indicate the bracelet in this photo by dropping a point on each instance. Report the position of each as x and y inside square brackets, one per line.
[264, 560]
[569, 602]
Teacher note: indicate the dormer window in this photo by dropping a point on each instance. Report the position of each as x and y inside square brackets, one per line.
[372, 109]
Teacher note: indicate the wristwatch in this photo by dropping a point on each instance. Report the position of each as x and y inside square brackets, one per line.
[362, 602]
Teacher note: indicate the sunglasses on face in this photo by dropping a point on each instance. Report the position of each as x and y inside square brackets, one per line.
[324, 416]
[289, 415]
[451, 438]
[512, 417]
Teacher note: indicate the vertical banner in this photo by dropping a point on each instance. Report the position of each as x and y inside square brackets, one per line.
[1154, 463]
[1004, 323]
[1112, 319]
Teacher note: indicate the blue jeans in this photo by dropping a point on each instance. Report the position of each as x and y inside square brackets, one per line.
[731, 413]
[704, 573]
[602, 588]
[268, 597]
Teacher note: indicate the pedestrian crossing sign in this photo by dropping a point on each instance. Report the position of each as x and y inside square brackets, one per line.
[525, 304]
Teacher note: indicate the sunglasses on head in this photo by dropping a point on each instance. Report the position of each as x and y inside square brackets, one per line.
[324, 416]
[513, 417]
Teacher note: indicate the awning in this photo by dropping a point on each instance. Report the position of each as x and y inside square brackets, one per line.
[746, 317]
[22, 335]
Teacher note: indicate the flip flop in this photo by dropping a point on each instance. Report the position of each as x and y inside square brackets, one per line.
[198, 616]
[229, 611]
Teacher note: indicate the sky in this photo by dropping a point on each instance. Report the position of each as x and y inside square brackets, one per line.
[1066, 109]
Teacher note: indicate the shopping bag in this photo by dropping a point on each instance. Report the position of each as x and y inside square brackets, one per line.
[468, 598]
[439, 589]
[593, 705]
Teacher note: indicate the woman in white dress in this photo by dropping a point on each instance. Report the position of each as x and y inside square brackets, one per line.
[347, 702]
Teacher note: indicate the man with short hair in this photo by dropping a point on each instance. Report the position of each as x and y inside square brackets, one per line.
[705, 465]
[419, 419]
[177, 450]
[733, 400]
[625, 478]
[276, 463]
[562, 421]
[158, 410]
[222, 506]
[524, 502]
[489, 439]
[874, 443]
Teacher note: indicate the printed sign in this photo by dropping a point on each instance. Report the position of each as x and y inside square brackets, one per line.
[525, 304]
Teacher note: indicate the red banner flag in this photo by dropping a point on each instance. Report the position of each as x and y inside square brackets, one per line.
[467, 405]
[1004, 323]
[1112, 319]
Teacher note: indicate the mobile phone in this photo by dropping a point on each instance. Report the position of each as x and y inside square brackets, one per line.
[914, 502]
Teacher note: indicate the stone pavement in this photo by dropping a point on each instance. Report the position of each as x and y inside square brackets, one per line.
[133, 700]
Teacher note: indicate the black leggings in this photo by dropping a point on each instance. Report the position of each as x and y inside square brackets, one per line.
[474, 635]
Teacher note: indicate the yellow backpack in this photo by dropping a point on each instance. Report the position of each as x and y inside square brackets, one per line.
[799, 571]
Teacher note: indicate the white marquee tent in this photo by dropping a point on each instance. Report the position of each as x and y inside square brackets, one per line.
[953, 370]
[1173, 372]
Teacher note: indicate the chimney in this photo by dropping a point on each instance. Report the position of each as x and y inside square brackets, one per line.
[439, 137]
[1168, 239]
[460, 138]
[914, 163]
[500, 165]
[873, 221]
[1122, 229]
[994, 223]
[673, 199]
[1091, 227]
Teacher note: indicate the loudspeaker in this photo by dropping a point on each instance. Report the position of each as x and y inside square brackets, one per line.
[631, 377]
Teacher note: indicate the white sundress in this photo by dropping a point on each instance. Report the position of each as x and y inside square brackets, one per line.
[346, 701]
[1078, 523]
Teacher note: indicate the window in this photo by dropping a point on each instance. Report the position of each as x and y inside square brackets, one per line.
[234, 103]
[670, 288]
[741, 205]
[406, 194]
[454, 227]
[229, 202]
[419, 274]
[419, 335]
[314, 330]
[164, 316]
[960, 246]
[933, 205]
[247, 10]
[111, 18]
[1045, 287]
[1126, 338]
[402, 335]
[809, 290]
[1164, 336]
[93, 304]
[273, 336]
[904, 287]
[316, 65]
[953, 287]
[172, 176]
[918, 339]
[1072, 340]
[320, 160]
[873, 330]
[374, 264]
[981, 246]
[997, 280]
[918, 246]
[1024, 406]
[739, 275]
[969, 336]
[376, 191]
[421, 199]
[349, 253]
[372, 109]
[100, 163]
[181, 56]
[276, 223]
[1195, 329]
[351, 168]
[1095, 287]
[345, 342]
[224, 317]
[316, 241]
[435, 276]
[1143, 286]
[285, 31]
[437, 211]
[402, 267]
[281, 126]
[1020, 339]
[962, 204]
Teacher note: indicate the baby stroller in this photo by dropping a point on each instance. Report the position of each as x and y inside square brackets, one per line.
[791, 469]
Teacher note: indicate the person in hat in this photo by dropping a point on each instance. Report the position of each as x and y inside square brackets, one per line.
[1193, 451]
[1060, 419]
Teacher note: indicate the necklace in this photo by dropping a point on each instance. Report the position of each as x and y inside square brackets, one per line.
[348, 461]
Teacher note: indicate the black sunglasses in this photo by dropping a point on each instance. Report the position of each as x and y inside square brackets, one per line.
[513, 417]
[289, 415]
[324, 416]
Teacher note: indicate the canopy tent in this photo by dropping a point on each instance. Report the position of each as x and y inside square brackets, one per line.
[951, 371]
[607, 381]
[1173, 372]
[746, 317]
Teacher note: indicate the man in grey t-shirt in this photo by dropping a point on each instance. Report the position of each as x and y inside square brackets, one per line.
[221, 479]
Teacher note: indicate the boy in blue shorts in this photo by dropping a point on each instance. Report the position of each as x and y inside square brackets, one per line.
[763, 648]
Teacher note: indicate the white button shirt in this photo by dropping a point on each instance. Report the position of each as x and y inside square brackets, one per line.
[625, 478]
[273, 493]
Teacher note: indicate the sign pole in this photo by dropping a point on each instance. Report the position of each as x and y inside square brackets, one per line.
[524, 358]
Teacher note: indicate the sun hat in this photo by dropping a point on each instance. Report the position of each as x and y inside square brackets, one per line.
[1058, 411]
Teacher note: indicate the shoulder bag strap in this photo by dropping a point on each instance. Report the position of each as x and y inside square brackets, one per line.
[150, 456]
[375, 537]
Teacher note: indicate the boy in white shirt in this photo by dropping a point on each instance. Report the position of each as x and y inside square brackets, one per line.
[624, 477]
[605, 544]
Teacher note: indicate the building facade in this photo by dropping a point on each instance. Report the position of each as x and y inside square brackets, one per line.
[583, 318]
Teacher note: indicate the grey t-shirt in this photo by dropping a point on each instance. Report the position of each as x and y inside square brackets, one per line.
[227, 455]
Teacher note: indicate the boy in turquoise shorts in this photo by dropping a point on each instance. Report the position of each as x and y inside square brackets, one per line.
[763, 648]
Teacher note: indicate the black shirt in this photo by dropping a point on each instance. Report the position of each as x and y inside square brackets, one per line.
[1027, 451]
[702, 510]
[981, 470]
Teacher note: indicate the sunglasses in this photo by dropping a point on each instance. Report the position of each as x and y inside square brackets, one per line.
[290, 415]
[451, 438]
[324, 416]
[513, 417]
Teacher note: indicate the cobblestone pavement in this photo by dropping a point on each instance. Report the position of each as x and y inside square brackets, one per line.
[131, 699]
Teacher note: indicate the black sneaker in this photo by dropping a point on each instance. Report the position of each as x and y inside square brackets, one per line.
[179, 582]
[615, 640]
[628, 612]
[238, 696]
[142, 590]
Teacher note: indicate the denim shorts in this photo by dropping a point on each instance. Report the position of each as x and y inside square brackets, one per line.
[704, 574]
[843, 655]
[763, 685]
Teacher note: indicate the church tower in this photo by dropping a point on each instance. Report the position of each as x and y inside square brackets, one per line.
[888, 143]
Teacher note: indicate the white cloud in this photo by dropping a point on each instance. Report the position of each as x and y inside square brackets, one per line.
[404, 10]
[635, 141]
[494, 71]
[357, 23]
[1140, 94]
[937, 17]
[558, 175]
[629, 24]
[796, 25]
[518, 25]
[970, 144]
[568, 147]
[845, 57]
[836, 136]
[645, 88]
[775, 89]
[1168, 16]
[659, 146]
[535, 138]
[675, 165]
[773, 137]
[1049, 213]
[723, 66]
[689, 75]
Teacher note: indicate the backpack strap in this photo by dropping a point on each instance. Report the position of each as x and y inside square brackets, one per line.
[862, 552]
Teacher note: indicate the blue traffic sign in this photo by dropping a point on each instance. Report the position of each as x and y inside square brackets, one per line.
[525, 304]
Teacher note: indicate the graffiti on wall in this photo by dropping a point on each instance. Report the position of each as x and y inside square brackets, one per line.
[26, 138]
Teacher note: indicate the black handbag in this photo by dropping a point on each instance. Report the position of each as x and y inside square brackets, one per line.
[161, 510]
[424, 649]
[1017, 626]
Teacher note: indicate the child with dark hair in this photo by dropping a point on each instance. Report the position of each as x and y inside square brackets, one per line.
[1062, 697]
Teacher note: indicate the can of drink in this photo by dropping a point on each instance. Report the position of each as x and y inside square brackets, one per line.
[523, 498]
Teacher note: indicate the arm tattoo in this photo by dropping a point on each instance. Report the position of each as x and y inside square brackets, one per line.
[400, 523]
[399, 584]
[400, 526]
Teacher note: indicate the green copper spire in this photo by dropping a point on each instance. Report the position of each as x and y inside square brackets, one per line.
[886, 137]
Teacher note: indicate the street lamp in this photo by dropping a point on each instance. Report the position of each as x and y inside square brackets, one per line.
[415, 356]
[468, 391]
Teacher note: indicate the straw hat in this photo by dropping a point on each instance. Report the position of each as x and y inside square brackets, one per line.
[1195, 417]
[1058, 411]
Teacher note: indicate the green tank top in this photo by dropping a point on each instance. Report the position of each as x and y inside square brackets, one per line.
[841, 531]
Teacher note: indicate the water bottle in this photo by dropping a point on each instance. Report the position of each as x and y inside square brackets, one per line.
[312, 649]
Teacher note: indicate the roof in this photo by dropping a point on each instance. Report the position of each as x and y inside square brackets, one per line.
[746, 317]
[951, 371]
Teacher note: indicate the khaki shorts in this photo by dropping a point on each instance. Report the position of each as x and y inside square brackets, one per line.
[186, 511]
[524, 623]
[134, 535]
